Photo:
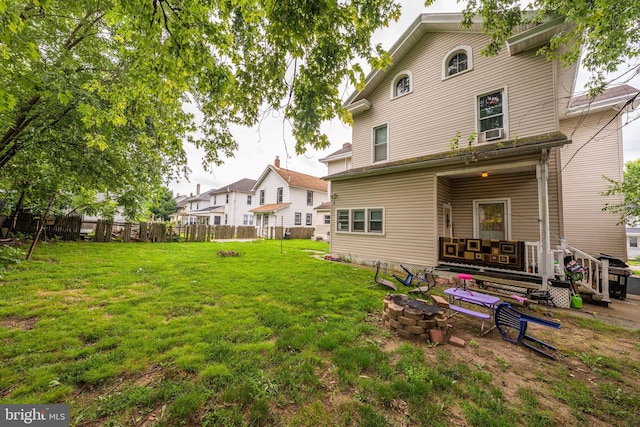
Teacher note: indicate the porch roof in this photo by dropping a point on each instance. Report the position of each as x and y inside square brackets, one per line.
[477, 153]
[274, 207]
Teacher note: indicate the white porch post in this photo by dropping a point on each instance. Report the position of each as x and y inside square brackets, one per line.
[545, 256]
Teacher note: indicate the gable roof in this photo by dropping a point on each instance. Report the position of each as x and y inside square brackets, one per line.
[294, 179]
[525, 38]
[245, 185]
[345, 151]
[618, 96]
[273, 207]
[323, 206]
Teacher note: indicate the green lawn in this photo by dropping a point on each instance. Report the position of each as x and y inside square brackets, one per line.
[174, 334]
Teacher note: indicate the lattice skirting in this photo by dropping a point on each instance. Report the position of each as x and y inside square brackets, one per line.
[561, 296]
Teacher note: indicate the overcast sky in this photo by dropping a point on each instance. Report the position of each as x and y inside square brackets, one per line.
[259, 146]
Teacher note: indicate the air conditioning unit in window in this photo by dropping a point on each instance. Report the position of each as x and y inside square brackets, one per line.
[490, 135]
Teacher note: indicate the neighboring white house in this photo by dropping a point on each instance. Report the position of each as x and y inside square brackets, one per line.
[233, 203]
[194, 209]
[286, 198]
[323, 221]
[633, 242]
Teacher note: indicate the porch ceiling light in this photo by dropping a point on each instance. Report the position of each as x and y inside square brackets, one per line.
[484, 174]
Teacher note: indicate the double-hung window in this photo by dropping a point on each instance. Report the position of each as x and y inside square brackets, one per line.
[298, 218]
[309, 198]
[249, 200]
[309, 219]
[380, 143]
[491, 111]
[262, 197]
[279, 195]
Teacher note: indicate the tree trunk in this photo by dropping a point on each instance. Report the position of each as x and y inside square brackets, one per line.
[14, 217]
[44, 219]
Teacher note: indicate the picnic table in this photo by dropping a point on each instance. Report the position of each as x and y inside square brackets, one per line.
[487, 303]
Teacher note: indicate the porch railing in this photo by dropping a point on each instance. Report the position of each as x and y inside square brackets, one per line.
[597, 274]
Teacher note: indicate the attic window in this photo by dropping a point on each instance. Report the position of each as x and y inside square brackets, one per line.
[457, 61]
[402, 84]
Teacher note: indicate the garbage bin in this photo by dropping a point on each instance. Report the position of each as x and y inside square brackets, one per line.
[287, 235]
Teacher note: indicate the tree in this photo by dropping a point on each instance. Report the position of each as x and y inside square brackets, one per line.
[629, 189]
[92, 92]
[164, 205]
[606, 32]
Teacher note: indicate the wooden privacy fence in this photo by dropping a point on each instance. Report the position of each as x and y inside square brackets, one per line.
[72, 227]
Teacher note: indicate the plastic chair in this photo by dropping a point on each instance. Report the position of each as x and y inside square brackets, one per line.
[512, 324]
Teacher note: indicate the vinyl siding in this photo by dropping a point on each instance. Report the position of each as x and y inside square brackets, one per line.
[522, 191]
[586, 227]
[409, 218]
[424, 121]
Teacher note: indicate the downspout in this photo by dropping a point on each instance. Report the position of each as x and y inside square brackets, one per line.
[545, 256]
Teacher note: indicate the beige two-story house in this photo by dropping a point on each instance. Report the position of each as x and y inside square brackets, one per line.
[476, 160]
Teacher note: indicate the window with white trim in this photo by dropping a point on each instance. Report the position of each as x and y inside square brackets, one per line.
[262, 197]
[298, 218]
[309, 219]
[402, 84]
[247, 219]
[362, 220]
[633, 241]
[327, 219]
[491, 111]
[309, 198]
[279, 195]
[249, 200]
[457, 61]
[380, 143]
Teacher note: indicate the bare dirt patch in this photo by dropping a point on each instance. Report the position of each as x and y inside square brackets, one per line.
[24, 323]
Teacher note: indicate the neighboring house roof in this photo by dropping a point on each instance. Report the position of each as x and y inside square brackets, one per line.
[208, 210]
[273, 207]
[245, 185]
[618, 96]
[201, 196]
[342, 153]
[294, 179]
[323, 207]
[503, 149]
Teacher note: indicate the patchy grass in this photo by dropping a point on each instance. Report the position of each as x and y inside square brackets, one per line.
[173, 334]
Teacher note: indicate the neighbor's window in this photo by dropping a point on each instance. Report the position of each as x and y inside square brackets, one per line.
[249, 200]
[298, 218]
[262, 197]
[380, 138]
[227, 199]
[279, 195]
[491, 111]
[327, 219]
[633, 241]
[309, 198]
[309, 219]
